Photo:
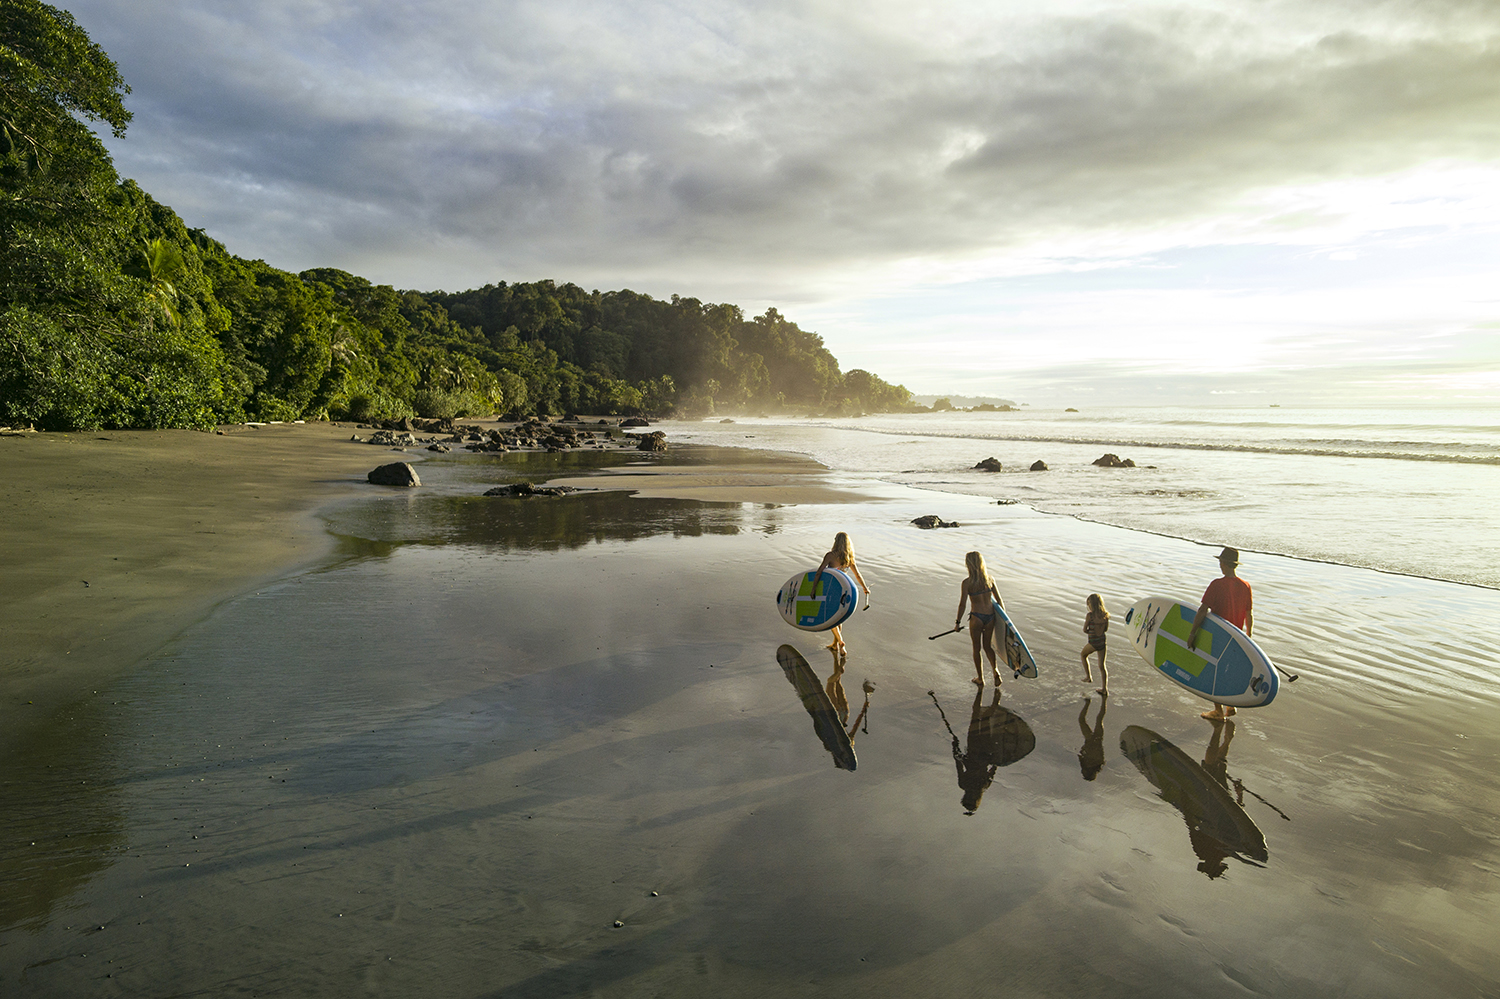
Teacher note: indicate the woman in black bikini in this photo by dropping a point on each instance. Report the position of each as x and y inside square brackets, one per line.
[978, 591]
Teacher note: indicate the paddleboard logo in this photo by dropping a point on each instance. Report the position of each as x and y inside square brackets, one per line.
[1148, 624]
[1259, 684]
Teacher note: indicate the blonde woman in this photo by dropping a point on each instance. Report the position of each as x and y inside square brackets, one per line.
[841, 556]
[1095, 624]
[979, 593]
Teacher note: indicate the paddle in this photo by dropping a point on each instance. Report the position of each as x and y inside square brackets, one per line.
[1290, 677]
[940, 634]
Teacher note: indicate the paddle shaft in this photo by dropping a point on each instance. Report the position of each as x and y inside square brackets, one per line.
[1290, 677]
[948, 632]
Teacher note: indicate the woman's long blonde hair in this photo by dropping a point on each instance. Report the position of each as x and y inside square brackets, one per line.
[977, 571]
[1096, 603]
[843, 550]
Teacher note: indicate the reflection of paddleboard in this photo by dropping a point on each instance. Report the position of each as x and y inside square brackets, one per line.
[815, 699]
[1017, 655]
[1224, 665]
[1210, 810]
[820, 605]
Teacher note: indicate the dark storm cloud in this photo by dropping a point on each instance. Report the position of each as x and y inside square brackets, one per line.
[452, 143]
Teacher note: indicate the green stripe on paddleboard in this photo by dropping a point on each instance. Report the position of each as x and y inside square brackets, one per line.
[810, 594]
[1168, 654]
[1179, 624]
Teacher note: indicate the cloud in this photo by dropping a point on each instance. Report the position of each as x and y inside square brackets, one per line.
[784, 142]
[992, 198]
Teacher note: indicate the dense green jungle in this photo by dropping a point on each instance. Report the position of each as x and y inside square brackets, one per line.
[114, 313]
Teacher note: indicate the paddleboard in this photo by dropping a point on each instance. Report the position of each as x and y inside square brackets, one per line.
[1017, 655]
[1223, 666]
[1206, 805]
[820, 605]
[815, 699]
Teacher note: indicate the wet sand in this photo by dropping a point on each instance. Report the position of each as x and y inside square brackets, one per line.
[545, 748]
[116, 540]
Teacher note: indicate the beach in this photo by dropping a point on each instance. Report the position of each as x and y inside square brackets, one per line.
[367, 740]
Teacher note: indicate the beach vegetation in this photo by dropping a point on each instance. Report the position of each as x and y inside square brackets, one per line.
[113, 313]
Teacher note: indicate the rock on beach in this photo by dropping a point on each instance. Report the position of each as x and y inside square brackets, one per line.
[397, 473]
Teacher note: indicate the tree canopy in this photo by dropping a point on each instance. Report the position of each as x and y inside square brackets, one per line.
[113, 313]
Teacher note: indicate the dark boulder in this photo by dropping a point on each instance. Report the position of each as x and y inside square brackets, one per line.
[654, 441]
[932, 520]
[1039, 465]
[989, 465]
[438, 447]
[635, 421]
[397, 473]
[1113, 461]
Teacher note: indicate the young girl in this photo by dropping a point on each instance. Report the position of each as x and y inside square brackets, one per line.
[1095, 624]
[978, 591]
[842, 557]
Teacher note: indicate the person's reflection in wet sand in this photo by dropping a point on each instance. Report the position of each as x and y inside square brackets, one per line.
[1218, 827]
[1216, 759]
[827, 705]
[997, 737]
[1091, 756]
[835, 689]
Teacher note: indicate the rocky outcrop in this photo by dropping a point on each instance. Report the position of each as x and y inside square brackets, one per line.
[654, 441]
[397, 473]
[524, 489]
[1113, 461]
[932, 520]
[989, 465]
[635, 421]
[1039, 465]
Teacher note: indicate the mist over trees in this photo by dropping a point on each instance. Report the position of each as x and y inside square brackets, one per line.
[113, 313]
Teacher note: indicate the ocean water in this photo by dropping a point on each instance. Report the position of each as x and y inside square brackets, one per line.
[1409, 491]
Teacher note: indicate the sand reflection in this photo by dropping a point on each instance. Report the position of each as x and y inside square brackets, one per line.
[827, 704]
[1218, 827]
[997, 738]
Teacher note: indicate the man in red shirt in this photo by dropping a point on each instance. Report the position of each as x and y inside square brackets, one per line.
[1229, 597]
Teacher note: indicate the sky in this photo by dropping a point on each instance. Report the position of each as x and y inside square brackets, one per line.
[1078, 202]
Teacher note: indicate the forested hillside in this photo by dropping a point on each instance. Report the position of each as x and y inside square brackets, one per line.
[113, 313]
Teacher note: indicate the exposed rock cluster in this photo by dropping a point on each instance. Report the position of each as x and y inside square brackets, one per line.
[989, 465]
[1113, 461]
[932, 520]
[523, 489]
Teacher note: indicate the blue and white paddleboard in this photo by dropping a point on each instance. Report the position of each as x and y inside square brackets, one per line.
[1017, 655]
[1224, 665]
[820, 605]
